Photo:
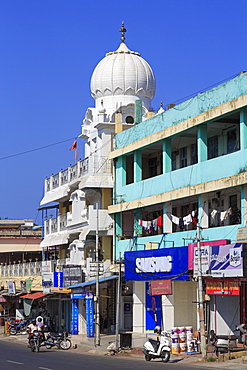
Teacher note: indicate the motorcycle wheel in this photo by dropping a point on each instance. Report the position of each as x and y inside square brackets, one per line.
[147, 358]
[65, 344]
[48, 346]
[36, 347]
[13, 331]
[165, 356]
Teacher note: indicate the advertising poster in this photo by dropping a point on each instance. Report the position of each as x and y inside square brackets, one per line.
[90, 315]
[74, 324]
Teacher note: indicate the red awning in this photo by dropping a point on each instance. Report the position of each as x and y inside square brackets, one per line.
[34, 295]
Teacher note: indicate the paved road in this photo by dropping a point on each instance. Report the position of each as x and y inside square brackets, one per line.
[17, 356]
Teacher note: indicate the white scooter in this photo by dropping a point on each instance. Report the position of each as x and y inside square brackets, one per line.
[160, 348]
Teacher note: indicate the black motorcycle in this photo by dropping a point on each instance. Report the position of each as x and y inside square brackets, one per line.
[18, 327]
[35, 340]
[60, 340]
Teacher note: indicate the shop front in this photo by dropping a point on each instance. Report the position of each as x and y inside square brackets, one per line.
[163, 293]
[224, 275]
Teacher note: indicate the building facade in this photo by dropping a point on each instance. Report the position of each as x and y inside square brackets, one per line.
[183, 167]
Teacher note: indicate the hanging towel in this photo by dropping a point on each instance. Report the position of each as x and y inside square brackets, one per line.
[145, 224]
[187, 219]
[214, 213]
[175, 219]
[140, 222]
[181, 223]
[160, 221]
[155, 224]
[223, 215]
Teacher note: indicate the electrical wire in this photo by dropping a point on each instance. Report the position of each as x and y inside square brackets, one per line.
[35, 149]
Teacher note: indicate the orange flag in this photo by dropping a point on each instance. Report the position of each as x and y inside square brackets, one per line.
[74, 145]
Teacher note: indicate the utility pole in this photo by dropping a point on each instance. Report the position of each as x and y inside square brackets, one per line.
[97, 319]
[200, 296]
[118, 307]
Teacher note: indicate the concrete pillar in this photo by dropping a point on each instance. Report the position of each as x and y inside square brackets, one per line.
[202, 143]
[167, 155]
[203, 210]
[167, 223]
[137, 165]
[139, 307]
[167, 311]
[243, 128]
[244, 204]
[120, 173]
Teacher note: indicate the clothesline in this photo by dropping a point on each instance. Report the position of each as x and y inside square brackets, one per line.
[154, 224]
[223, 214]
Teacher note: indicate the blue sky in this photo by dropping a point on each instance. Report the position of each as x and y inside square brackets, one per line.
[49, 49]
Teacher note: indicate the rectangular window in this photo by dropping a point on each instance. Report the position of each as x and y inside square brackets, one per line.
[174, 161]
[194, 155]
[183, 157]
[231, 141]
[213, 147]
[129, 169]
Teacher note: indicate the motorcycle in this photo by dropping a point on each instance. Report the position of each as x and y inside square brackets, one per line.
[18, 327]
[159, 348]
[35, 340]
[223, 343]
[60, 340]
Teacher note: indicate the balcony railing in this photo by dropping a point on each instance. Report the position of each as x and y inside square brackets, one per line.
[21, 269]
[75, 172]
[63, 222]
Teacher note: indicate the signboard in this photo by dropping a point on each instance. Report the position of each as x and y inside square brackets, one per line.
[205, 259]
[11, 287]
[90, 315]
[192, 246]
[75, 316]
[242, 235]
[221, 261]
[161, 287]
[59, 290]
[72, 275]
[58, 279]
[154, 264]
[222, 287]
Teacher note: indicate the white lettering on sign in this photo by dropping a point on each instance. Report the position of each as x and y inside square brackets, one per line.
[154, 264]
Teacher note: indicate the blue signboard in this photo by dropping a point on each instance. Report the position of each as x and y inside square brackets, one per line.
[154, 264]
[58, 279]
[75, 310]
[153, 310]
[90, 315]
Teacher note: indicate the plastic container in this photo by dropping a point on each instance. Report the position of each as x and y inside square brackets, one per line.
[175, 338]
[182, 347]
[175, 348]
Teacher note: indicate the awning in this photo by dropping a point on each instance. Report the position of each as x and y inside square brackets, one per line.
[87, 283]
[5, 293]
[55, 239]
[34, 295]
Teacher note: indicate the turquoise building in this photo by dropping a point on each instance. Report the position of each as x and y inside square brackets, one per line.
[185, 165]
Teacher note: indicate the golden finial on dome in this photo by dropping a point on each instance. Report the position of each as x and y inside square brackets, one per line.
[122, 30]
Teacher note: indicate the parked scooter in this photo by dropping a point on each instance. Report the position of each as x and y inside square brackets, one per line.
[223, 343]
[18, 327]
[60, 340]
[160, 348]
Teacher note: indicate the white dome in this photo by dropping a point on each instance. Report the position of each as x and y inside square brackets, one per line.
[123, 73]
